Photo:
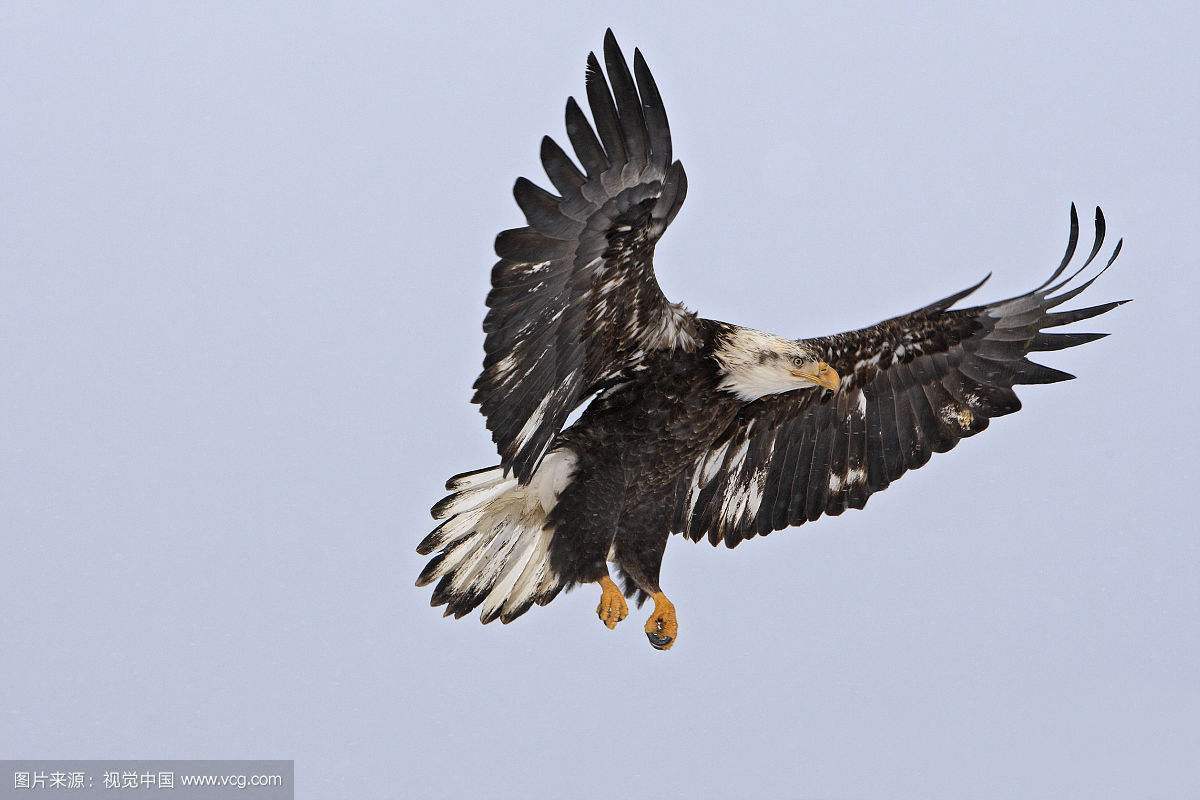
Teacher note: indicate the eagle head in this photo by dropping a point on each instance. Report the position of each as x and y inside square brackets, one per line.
[755, 364]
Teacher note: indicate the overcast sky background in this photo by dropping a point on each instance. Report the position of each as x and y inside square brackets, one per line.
[243, 256]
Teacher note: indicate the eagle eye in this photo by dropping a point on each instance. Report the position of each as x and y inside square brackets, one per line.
[797, 361]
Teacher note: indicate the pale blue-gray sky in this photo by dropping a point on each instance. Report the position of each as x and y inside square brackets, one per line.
[243, 256]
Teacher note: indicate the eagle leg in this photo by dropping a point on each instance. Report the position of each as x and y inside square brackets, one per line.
[662, 629]
[612, 608]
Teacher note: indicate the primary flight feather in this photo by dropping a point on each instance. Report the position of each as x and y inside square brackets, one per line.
[697, 427]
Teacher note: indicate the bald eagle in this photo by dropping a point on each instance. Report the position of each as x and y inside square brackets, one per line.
[697, 427]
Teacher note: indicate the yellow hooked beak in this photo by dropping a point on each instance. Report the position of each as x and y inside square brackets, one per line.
[824, 376]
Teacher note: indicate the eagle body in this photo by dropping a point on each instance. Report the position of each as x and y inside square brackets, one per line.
[631, 446]
[690, 426]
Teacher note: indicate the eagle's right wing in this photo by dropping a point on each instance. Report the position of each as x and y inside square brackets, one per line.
[574, 300]
[911, 386]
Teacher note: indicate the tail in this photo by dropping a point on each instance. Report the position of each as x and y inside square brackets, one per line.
[495, 541]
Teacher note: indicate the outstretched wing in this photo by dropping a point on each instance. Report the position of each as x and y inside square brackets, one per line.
[574, 300]
[911, 386]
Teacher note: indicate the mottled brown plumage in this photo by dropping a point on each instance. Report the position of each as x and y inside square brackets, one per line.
[695, 426]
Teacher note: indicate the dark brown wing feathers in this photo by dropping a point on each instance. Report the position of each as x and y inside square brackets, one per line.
[912, 386]
[574, 299]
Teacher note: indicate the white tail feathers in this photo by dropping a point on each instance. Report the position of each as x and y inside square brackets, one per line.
[494, 542]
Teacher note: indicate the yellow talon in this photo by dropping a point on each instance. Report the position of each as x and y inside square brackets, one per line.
[612, 608]
[662, 629]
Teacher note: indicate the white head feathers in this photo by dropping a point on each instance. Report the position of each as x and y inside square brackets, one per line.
[756, 364]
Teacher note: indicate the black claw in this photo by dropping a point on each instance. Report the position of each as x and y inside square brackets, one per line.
[659, 642]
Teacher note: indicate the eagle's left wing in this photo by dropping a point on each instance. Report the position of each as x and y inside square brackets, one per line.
[911, 386]
[574, 300]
